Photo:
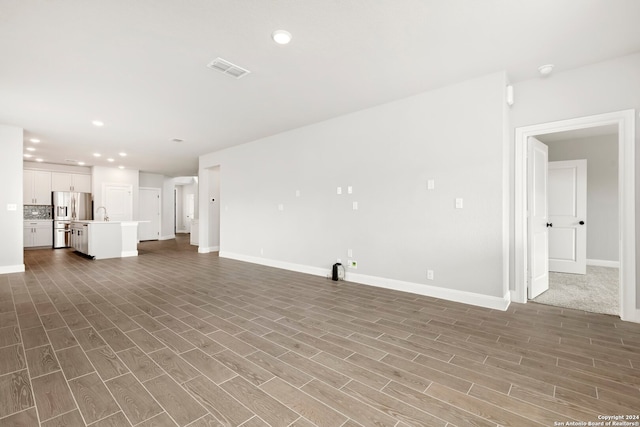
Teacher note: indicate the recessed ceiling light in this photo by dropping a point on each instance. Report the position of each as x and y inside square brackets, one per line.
[27, 155]
[34, 140]
[122, 154]
[120, 167]
[30, 149]
[39, 160]
[97, 123]
[281, 36]
[110, 159]
[81, 163]
[97, 154]
[545, 70]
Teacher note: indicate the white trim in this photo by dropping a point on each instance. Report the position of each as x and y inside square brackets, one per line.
[603, 263]
[625, 120]
[300, 268]
[463, 297]
[480, 300]
[167, 237]
[634, 316]
[125, 254]
[203, 250]
[6, 269]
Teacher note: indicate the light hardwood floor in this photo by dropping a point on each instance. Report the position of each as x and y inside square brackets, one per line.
[174, 337]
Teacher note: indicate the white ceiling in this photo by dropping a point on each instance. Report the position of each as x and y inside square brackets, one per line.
[140, 66]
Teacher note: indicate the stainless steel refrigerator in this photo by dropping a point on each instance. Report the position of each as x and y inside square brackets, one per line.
[68, 206]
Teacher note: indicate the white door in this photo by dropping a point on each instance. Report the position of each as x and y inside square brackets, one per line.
[538, 159]
[118, 200]
[568, 214]
[189, 209]
[149, 199]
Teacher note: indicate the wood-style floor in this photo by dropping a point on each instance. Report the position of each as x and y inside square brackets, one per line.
[174, 337]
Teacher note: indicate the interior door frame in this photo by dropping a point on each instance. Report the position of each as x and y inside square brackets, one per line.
[625, 120]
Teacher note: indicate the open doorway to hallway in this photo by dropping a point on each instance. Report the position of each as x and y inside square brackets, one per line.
[595, 288]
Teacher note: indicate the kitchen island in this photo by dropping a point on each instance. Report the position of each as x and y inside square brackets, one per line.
[105, 239]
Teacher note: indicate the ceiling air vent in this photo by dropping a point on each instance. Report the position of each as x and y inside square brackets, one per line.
[227, 68]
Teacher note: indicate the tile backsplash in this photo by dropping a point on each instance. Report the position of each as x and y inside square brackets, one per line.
[37, 212]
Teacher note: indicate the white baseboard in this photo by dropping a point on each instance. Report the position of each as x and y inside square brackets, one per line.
[125, 254]
[486, 301]
[603, 263]
[6, 269]
[300, 268]
[203, 250]
[381, 282]
[167, 237]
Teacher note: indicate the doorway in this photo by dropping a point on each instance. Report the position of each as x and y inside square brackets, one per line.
[583, 218]
[625, 124]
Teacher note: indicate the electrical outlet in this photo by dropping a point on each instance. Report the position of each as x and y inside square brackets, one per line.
[261, 251]
[280, 207]
[339, 190]
[297, 193]
[339, 261]
[430, 274]
[431, 184]
[353, 264]
[355, 206]
[350, 190]
[349, 253]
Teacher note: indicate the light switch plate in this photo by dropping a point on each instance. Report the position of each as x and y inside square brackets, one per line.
[431, 184]
[12, 207]
[350, 190]
[355, 206]
[339, 190]
[459, 203]
[280, 207]
[297, 193]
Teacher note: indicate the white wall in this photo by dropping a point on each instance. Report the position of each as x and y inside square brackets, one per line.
[102, 175]
[151, 180]
[601, 153]
[595, 89]
[11, 225]
[454, 135]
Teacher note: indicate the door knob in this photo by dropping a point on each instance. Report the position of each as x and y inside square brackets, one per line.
[581, 223]
[549, 224]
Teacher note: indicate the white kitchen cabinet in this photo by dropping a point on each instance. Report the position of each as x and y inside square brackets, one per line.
[36, 187]
[63, 181]
[38, 234]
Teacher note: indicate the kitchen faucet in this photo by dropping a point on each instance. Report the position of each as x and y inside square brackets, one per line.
[106, 218]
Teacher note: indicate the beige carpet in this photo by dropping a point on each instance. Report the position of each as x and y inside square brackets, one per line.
[596, 292]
